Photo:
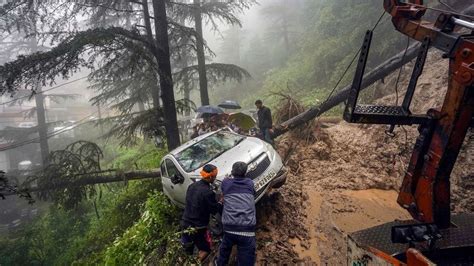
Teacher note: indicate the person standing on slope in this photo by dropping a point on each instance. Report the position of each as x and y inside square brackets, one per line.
[265, 122]
[201, 202]
[238, 217]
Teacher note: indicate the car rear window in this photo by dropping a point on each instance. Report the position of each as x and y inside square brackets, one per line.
[206, 150]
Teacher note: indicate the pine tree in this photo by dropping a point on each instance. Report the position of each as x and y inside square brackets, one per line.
[210, 11]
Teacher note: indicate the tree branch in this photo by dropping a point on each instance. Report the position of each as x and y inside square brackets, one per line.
[95, 178]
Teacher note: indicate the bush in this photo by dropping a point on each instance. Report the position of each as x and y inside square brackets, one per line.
[119, 212]
[64, 237]
[156, 228]
[48, 241]
[144, 156]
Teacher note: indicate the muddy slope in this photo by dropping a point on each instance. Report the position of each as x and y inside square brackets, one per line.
[344, 177]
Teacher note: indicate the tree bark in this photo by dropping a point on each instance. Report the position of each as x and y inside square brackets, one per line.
[156, 93]
[187, 98]
[40, 111]
[95, 180]
[200, 54]
[151, 40]
[141, 107]
[42, 127]
[99, 113]
[164, 69]
[378, 73]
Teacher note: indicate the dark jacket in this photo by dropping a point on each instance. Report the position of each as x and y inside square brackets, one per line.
[239, 205]
[200, 204]
[264, 118]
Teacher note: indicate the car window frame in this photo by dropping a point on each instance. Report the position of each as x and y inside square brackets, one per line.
[163, 167]
[174, 165]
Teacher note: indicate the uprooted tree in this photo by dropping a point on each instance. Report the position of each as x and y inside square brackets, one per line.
[72, 176]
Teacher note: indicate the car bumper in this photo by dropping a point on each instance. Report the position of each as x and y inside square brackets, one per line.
[280, 178]
[277, 182]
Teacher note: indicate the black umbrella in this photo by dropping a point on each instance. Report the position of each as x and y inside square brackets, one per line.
[230, 105]
[209, 109]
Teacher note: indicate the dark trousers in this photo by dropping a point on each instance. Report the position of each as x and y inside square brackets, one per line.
[200, 238]
[267, 136]
[246, 246]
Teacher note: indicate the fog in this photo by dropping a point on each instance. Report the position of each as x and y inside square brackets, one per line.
[68, 101]
[263, 56]
[100, 99]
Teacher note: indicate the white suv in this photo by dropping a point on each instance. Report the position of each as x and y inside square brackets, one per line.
[222, 148]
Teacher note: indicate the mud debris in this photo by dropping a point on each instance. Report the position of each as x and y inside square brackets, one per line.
[344, 178]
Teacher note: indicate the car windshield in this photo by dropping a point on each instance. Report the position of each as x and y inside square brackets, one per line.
[207, 150]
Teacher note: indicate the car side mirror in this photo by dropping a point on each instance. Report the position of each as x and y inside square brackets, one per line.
[177, 179]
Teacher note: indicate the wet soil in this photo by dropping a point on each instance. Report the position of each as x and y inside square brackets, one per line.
[344, 178]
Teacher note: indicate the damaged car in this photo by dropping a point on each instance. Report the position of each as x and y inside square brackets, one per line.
[222, 148]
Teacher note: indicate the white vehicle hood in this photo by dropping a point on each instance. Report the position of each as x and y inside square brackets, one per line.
[247, 151]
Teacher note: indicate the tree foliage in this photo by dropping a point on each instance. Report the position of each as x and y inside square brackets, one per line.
[65, 237]
[67, 57]
[213, 12]
[5, 186]
[323, 40]
[216, 72]
[77, 160]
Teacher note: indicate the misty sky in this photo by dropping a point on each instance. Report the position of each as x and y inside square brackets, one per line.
[251, 24]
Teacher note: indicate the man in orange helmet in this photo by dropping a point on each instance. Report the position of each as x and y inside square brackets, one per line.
[201, 202]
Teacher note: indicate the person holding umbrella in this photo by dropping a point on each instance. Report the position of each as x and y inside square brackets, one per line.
[241, 121]
[206, 112]
[265, 122]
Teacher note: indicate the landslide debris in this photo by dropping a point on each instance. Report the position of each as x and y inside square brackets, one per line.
[344, 177]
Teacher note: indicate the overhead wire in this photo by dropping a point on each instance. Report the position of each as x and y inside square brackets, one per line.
[446, 5]
[348, 68]
[30, 141]
[52, 134]
[401, 70]
[396, 92]
[43, 91]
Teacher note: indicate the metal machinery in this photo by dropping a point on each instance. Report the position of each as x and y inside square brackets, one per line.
[434, 236]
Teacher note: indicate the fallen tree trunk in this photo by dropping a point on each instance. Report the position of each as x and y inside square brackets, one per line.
[378, 73]
[370, 78]
[92, 179]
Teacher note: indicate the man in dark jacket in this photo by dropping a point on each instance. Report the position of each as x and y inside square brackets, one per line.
[265, 122]
[238, 217]
[200, 204]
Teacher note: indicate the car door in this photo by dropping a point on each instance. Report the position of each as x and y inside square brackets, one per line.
[177, 191]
